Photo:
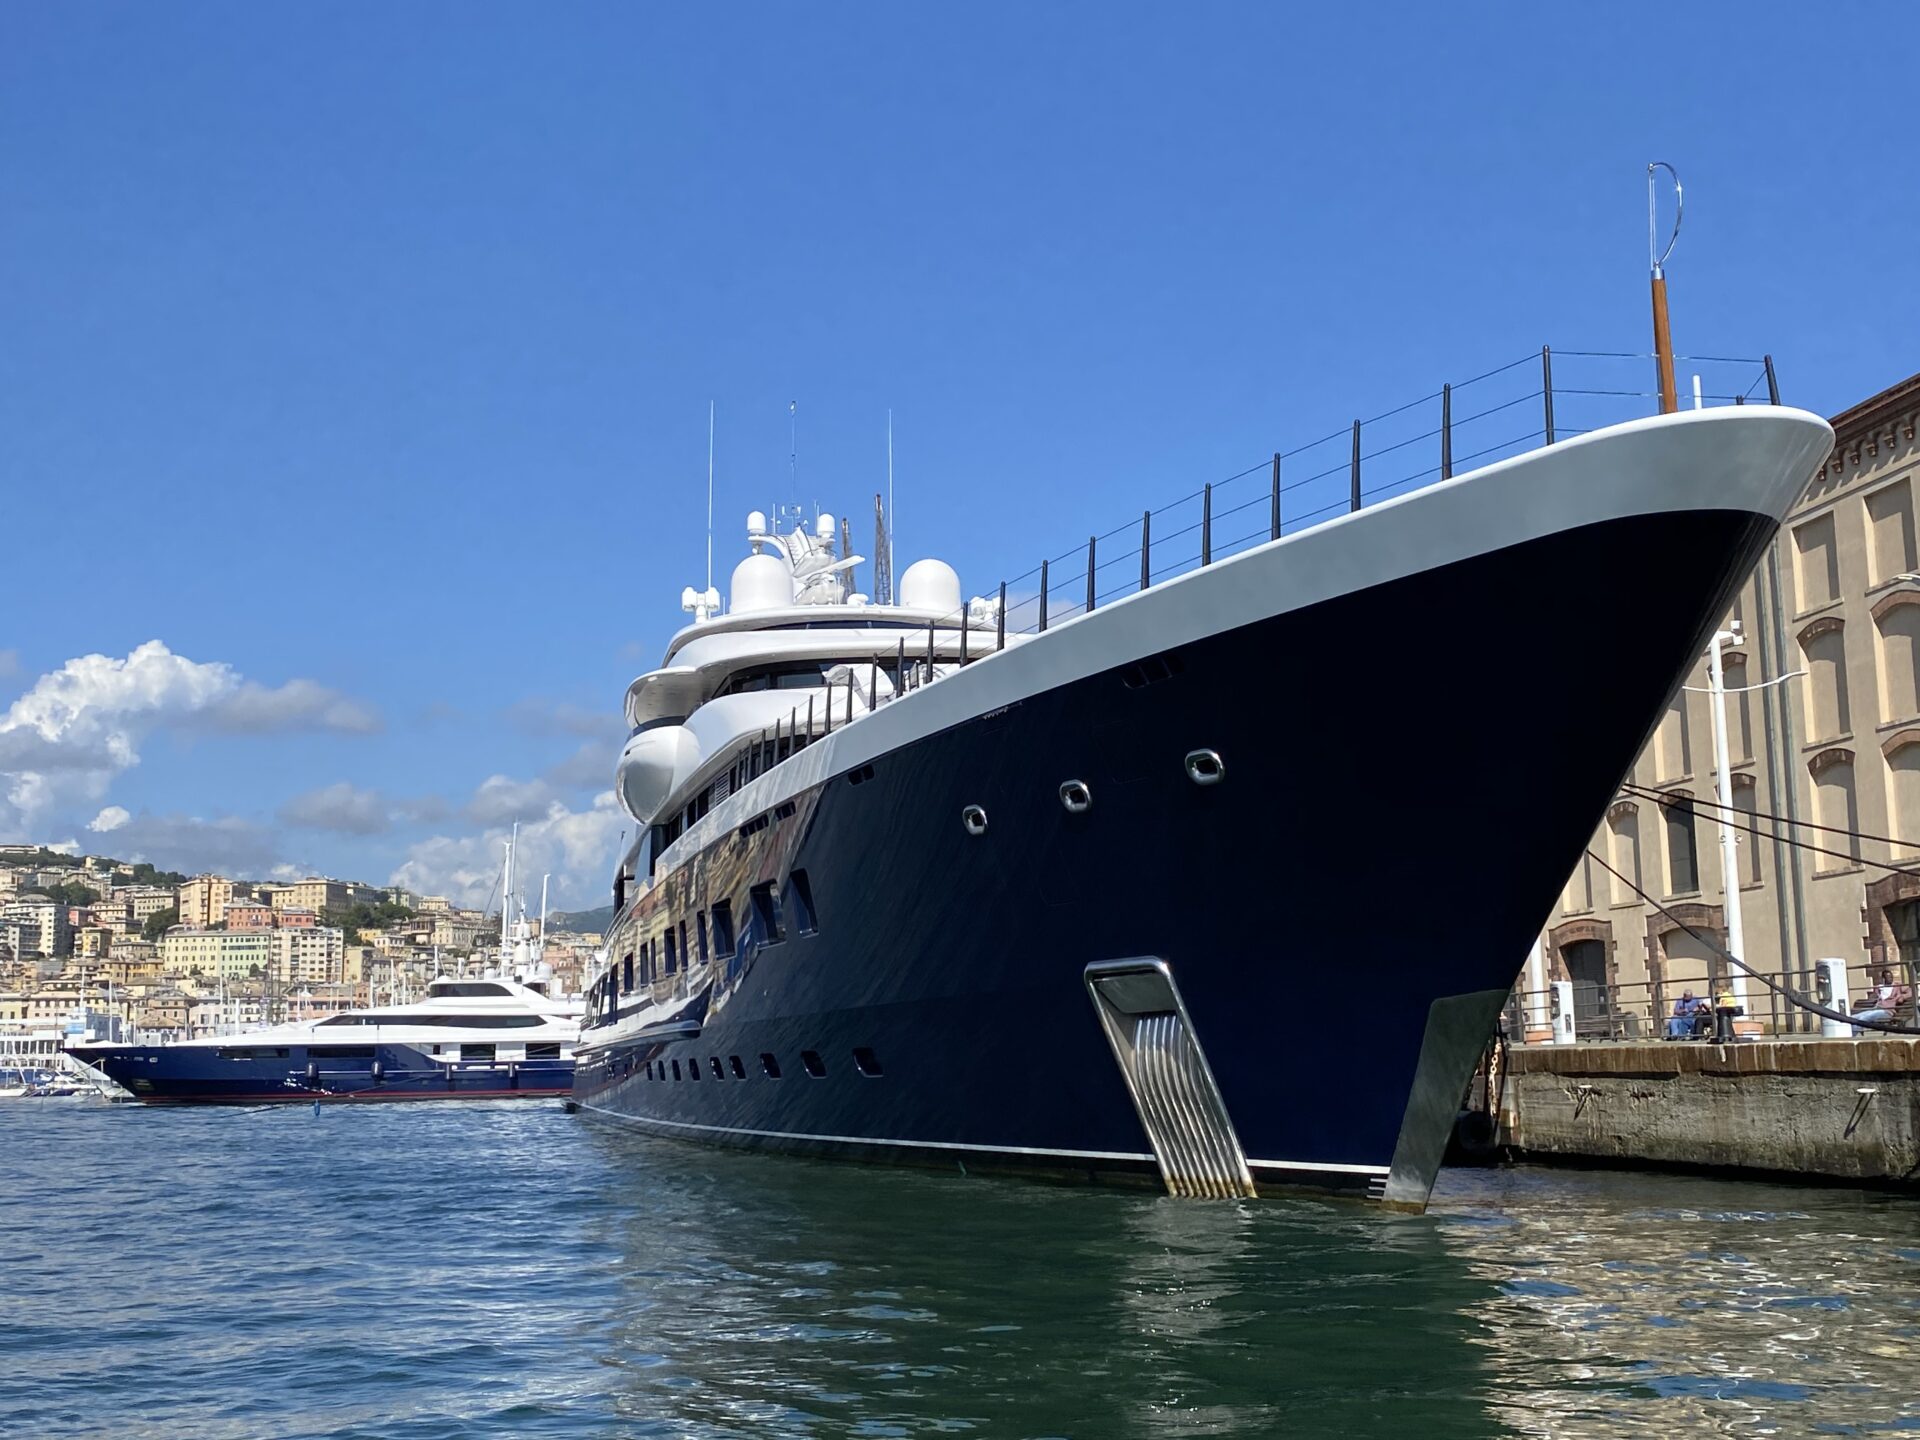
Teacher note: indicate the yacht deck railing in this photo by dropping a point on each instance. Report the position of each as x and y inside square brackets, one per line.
[1499, 413]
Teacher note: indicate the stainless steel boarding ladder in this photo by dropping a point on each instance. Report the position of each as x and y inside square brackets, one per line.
[1168, 1077]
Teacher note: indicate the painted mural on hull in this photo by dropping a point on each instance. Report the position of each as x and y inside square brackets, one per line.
[1108, 901]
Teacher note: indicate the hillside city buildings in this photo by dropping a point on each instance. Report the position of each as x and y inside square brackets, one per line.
[209, 954]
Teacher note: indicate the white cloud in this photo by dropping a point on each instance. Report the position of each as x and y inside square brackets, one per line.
[226, 845]
[576, 846]
[588, 768]
[500, 799]
[77, 728]
[340, 807]
[111, 818]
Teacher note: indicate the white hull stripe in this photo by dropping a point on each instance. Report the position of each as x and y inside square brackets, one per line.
[1146, 1159]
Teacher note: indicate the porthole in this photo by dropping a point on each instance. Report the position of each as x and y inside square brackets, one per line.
[1205, 767]
[739, 1070]
[769, 1066]
[1075, 795]
[865, 1061]
[676, 1069]
[973, 820]
[719, 1073]
[815, 1066]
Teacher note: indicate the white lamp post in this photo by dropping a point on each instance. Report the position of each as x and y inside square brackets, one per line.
[1723, 793]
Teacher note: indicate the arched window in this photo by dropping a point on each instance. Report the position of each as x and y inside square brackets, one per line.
[1816, 563]
[1578, 896]
[1672, 750]
[1623, 852]
[1683, 864]
[1903, 792]
[1837, 806]
[1746, 830]
[1896, 621]
[1824, 645]
[1733, 669]
[1890, 524]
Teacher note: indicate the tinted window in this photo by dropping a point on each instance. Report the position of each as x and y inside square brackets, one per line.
[723, 927]
[800, 903]
[766, 915]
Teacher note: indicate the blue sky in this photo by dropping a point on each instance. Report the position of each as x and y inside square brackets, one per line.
[365, 350]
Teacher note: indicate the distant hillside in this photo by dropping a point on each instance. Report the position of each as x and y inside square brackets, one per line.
[582, 922]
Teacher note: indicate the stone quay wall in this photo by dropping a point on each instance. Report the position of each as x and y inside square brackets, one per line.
[1848, 1109]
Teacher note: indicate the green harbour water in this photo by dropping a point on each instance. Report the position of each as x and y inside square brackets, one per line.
[452, 1271]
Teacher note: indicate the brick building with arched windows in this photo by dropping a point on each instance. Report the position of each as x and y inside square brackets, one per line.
[1835, 608]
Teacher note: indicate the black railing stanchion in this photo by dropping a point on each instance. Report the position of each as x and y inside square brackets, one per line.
[1043, 594]
[900, 669]
[1206, 525]
[776, 744]
[849, 695]
[1546, 386]
[1446, 432]
[1353, 481]
[873, 684]
[1000, 620]
[1273, 520]
[829, 709]
[1146, 548]
[1092, 543]
[1773, 382]
[929, 651]
[965, 626]
[809, 739]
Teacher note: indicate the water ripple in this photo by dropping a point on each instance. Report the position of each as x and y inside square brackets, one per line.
[446, 1272]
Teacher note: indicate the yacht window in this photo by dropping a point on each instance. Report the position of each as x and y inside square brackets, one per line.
[627, 986]
[792, 675]
[686, 955]
[766, 915]
[865, 1061]
[723, 927]
[670, 951]
[739, 1070]
[544, 1052]
[700, 933]
[465, 989]
[262, 1052]
[769, 1066]
[676, 1069]
[816, 1067]
[340, 1052]
[718, 1072]
[470, 1051]
[800, 903]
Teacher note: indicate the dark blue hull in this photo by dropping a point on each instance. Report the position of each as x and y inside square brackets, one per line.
[249, 1072]
[1343, 913]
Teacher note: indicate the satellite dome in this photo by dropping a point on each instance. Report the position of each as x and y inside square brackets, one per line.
[756, 523]
[761, 582]
[930, 585]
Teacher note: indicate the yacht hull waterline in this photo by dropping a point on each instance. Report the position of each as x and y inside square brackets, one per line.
[1324, 910]
[246, 1072]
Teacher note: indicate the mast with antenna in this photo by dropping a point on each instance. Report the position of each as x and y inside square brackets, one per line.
[882, 555]
[1662, 335]
[709, 495]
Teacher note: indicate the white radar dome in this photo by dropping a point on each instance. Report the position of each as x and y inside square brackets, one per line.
[756, 523]
[823, 527]
[930, 585]
[761, 582]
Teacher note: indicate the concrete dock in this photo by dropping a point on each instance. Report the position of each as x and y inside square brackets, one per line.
[1845, 1108]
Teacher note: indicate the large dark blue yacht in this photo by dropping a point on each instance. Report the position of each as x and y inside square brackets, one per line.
[1218, 886]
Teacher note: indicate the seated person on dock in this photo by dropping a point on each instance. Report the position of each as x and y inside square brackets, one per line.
[1689, 1015]
[1884, 1002]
